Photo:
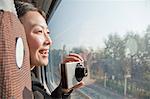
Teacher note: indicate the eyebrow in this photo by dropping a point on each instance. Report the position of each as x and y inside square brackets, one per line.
[40, 26]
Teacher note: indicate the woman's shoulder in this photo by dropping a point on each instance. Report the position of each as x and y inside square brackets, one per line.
[38, 88]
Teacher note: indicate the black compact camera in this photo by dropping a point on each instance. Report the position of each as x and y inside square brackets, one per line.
[71, 73]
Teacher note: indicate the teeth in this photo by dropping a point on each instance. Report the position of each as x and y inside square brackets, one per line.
[43, 52]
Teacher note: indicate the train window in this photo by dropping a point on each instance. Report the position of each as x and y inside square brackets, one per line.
[113, 37]
[49, 70]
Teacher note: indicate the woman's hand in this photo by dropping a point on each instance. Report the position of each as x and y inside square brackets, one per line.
[60, 92]
[72, 57]
[76, 86]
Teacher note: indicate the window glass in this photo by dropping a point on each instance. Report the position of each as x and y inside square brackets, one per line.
[113, 37]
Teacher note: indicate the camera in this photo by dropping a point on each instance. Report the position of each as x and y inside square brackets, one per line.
[71, 73]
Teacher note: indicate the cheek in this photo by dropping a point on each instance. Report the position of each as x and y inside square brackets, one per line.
[35, 43]
[40, 41]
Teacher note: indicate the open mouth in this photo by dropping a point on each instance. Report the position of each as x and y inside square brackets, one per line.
[44, 52]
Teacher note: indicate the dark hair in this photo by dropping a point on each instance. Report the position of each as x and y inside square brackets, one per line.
[23, 7]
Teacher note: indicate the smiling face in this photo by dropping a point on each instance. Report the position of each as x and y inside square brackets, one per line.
[38, 39]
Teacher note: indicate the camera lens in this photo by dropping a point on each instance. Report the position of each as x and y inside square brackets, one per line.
[80, 72]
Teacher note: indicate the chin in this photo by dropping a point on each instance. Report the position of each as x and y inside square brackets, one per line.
[44, 63]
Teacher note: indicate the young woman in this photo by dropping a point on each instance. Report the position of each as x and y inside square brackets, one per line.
[39, 42]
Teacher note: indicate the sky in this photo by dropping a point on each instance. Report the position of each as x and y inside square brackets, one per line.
[89, 22]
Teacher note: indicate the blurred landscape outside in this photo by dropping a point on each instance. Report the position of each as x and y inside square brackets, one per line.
[113, 37]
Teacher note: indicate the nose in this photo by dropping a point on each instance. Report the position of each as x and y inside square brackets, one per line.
[48, 40]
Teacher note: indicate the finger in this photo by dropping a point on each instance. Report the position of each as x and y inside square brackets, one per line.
[77, 56]
[67, 90]
[78, 85]
[71, 59]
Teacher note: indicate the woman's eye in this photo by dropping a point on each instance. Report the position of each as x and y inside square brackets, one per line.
[40, 31]
[48, 32]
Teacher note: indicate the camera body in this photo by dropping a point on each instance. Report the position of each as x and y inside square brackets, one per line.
[71, 73]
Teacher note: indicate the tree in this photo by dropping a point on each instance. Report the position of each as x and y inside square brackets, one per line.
[114, 47]
[114, 54]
